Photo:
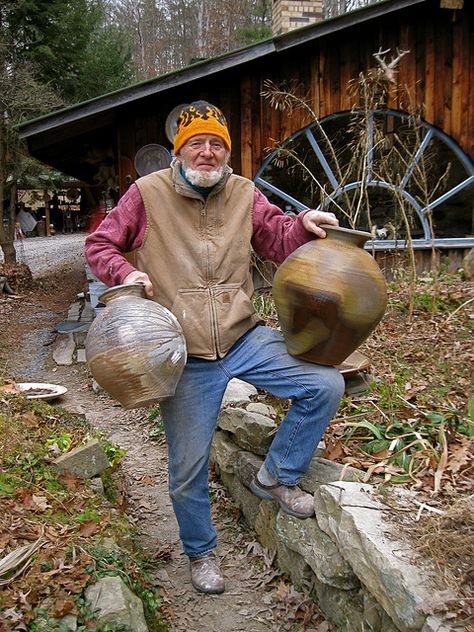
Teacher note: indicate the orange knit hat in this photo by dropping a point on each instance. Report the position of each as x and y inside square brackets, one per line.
[200, 117]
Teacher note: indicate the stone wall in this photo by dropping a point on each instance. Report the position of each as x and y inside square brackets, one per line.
[365, 578]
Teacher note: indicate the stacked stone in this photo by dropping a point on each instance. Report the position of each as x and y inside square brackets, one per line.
[364, 576]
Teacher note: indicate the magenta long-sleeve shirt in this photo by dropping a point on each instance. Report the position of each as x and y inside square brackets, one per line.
[275, 235]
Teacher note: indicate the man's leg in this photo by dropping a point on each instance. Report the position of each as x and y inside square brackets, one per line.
[189, 419]
[260, 358]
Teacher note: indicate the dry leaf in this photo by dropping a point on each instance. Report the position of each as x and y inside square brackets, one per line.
[460, 456]
[146, 479]
[40, 503]
[71, 481]
[9, 389]
[89, 528]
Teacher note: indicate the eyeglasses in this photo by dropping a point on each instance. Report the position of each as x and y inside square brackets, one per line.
[200, 145]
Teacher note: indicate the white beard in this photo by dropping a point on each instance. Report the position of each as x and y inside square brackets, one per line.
[204, 179]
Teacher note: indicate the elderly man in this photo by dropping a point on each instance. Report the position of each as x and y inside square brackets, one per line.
[192, 229]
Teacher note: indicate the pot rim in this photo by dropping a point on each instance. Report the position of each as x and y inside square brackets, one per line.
[126, 289]
[351, 231]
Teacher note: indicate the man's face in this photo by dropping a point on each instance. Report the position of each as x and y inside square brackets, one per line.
[204, 152]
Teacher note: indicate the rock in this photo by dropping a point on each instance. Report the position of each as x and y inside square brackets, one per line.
[374, 617]
[74, 311]
[224, 452]
[294, 565]
[96, 387]
[117, 604]
[80, 338]
[97, 486]
[81, 355]
[238, 393]
[250, 431]
[358, 384]
[248, 502]
[247, 466]
[468, 264]
[87, 314]
[434, 624]
[74, 408]
[343, 608]
[319, 551]
[86, 460]
[63, 349]
[353, 518]
[262, 409]
[322, 471]
[265, 525]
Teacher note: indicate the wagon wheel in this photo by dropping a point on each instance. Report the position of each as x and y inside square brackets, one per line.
[398, 163]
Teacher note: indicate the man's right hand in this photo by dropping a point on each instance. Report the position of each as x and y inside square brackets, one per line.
[140, 277]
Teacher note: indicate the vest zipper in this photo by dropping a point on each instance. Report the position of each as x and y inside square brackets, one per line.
[214, 331]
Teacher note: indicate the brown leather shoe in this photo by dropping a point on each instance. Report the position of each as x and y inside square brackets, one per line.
[291, 498]
[206, 574]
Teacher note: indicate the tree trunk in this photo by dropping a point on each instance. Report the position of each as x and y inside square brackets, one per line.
[7, 226]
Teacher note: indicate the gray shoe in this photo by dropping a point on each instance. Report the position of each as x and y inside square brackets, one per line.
[206, 574]
[291, 498]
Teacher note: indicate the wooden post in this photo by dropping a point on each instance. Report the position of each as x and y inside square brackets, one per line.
[46, 213]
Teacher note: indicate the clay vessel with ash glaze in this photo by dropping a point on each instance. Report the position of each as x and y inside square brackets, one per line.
[329, 294]
[135, 349]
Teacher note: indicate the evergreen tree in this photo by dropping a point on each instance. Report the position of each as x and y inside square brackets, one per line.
[52, 53]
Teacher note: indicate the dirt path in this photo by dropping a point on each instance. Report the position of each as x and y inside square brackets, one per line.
[256, 597]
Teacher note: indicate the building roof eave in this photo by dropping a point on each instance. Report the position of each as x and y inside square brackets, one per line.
[124, 96]
[202, 69]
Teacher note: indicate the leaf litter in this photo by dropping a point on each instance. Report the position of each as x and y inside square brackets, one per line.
[421, 369]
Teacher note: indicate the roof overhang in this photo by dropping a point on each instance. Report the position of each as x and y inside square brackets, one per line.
[200, 70]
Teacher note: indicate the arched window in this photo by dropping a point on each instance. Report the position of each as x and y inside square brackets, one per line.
[382, 171]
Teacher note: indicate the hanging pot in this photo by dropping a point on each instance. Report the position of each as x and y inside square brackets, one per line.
[329, 294]
[135, 348]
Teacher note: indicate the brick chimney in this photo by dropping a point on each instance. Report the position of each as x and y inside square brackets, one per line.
[293, 14]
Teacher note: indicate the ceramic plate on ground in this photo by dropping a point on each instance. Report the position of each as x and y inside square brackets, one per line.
[32, 390]
[354, 363]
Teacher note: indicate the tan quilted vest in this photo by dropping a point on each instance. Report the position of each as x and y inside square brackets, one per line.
[197, 254]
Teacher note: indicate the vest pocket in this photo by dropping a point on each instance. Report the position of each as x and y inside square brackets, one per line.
[234, 313]
[192, 307]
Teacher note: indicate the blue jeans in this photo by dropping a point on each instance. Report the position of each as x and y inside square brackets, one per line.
[259, 358]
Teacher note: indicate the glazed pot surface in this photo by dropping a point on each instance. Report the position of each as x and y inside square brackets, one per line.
[135, 349]
[329, 294]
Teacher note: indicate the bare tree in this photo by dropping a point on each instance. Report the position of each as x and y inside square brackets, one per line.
[332, 8]
[170, 34]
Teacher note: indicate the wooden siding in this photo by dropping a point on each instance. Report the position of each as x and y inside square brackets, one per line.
[437, 75]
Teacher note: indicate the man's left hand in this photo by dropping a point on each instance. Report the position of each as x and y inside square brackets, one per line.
[313, 219]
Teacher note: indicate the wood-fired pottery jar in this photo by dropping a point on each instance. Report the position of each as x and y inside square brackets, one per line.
[135, 348]
[329, 294]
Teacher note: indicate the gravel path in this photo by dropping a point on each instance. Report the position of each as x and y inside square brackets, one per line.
[42, 254]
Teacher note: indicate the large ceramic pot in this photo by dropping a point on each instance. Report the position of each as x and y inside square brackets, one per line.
[135, 349]
[329, 294]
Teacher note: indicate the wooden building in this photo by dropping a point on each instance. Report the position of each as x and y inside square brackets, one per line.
[97, 141]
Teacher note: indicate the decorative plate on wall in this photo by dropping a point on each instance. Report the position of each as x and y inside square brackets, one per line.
[151, 158]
